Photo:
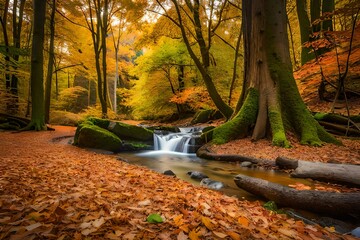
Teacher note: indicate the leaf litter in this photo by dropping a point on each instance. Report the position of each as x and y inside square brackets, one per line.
[57, 191]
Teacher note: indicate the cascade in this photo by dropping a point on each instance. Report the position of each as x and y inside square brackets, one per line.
[186, 141]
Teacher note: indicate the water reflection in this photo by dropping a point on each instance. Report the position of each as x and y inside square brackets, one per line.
[181, 163]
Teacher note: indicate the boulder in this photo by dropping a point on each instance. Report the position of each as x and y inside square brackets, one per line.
[197, 175]
[202, 116]
[92, 136]
[130, 132]
[207, 182]
[169, 173]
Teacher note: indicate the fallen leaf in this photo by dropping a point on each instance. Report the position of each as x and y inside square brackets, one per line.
[207, 222]
[182, 236]
[194, 235]
[33, 226]
[97, 223]
[219, 234]
[243, 222]
[154, 218]
[234, 235]
[144, 203]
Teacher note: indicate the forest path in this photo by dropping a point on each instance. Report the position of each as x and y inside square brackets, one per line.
[50, 190]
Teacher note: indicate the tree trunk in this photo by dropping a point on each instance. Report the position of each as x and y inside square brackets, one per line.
[329, 172]
[48, 82]
[328, 7]
[272, 97]
[36, 74]
[203, 65]
[305, 30]
[331, 203]
[315, 6]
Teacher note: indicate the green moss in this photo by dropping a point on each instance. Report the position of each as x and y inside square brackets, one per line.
[127, 131]
[77, 132]
[293, 107]
[277, 129]
[326, 137]
[202, 116]
[92, 136]
[240, 124]
[103, 123]
[207, 134]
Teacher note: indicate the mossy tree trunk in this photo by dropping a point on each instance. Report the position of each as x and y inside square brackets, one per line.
[37, 75]
[273, 103]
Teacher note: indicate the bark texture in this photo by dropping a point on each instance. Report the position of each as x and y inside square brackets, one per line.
[330, 172]
[316, 201]
[37, 75]
[273, 103]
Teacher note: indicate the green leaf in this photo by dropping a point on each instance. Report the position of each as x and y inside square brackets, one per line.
[154, 218]
[271, 205]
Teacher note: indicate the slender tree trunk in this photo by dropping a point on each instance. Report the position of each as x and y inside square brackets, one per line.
[315, 7]
[328, 6]
[225, 109]
[235, 65]
[37, 75]
[48, 82]
[305, 30]
[272, 96]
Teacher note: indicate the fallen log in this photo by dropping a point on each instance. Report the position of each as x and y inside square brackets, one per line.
[331, 203]
[330, 172]
[206, 153]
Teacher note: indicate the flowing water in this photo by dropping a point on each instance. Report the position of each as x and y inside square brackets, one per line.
[175, 152]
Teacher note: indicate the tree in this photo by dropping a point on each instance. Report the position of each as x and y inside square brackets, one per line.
[12, 52]
[305, 31]
[37, 75]
[272, 104]
[48, 82]
[197, 22]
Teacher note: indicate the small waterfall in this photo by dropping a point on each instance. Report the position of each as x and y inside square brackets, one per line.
[186, 141]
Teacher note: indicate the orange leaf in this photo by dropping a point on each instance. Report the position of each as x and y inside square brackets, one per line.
[207, 222]
[233, 235]
[243, 222]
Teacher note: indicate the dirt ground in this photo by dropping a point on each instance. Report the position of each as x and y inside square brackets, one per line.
[51, 190]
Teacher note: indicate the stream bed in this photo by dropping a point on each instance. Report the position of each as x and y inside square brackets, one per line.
[182, 163]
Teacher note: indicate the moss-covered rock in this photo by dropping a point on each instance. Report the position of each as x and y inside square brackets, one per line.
[103, 123]
[130, 132]
[202, 116]
[92, 136]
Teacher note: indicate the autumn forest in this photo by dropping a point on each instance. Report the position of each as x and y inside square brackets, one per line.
[179, 119]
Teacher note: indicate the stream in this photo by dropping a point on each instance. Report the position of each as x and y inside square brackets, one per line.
[176, 152]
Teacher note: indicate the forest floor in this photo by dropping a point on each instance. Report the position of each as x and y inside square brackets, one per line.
[52, 190]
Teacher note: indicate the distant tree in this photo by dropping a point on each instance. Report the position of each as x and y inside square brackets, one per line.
[12, 48]
[198, 22]
[272, 104]
[37, 61]
[51, 59]
[305, 31]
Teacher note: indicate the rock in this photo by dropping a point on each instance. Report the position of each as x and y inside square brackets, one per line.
[130, 132]
[169, 173]
[246, 164]
[197, 175]
[212, 183]
[202, 116]
[123, 159]
[356, 232]
[92, 136]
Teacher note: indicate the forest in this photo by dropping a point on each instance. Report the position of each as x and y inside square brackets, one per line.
[179, 119]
